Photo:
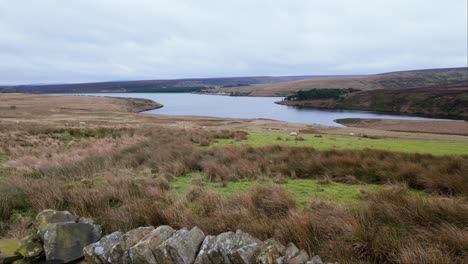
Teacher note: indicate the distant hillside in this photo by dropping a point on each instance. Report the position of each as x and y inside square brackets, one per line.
[402, 79]
[178, 85]
[436, 101]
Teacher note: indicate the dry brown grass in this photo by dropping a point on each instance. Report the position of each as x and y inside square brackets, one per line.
[398, 227]
[445, 174]
[53, 104]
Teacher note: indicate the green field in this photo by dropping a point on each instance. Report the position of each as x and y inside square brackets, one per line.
[435, 147]
[303, 190]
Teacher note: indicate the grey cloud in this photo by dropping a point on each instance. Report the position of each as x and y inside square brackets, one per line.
[98, 40]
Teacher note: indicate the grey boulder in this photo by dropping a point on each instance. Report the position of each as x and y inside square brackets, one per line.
[142, 252]
[293, 255]
[229, 247]
[270, 251]
[119, 252]
[208, 244]
[246, 254]
[181, 248]
[50, 216]
[99, 252]
[64, 242]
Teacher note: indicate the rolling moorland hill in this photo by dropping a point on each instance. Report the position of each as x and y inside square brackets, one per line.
[176, 85]
[436, 101]
[391, 80]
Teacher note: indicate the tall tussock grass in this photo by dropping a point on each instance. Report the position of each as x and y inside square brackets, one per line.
[125, 182]
[399, 227]
[444, 175]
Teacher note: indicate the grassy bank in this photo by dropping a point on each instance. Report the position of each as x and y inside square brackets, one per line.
[323, 142]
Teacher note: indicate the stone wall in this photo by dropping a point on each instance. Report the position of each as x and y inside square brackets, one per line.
[61, 237]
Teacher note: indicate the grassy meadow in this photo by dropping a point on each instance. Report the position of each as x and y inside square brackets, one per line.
[322, 142]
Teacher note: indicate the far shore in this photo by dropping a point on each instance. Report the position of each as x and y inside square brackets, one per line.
[116, 112]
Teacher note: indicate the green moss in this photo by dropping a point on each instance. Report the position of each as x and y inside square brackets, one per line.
[8, 246]
[435, 147]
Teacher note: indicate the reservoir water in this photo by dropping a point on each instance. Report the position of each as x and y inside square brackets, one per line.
[247, 107]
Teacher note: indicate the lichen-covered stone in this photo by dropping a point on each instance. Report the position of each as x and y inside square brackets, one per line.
[99, 252]
[119, 252]
[223, 248]
[181, 248]
[270, 251]
[142, 252]
[50, 216]
[246, 249]
[64, 242]
[225, 242]
[202, 257]
[246, 254]
[30, 247]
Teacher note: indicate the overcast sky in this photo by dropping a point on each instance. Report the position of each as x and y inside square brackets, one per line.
[56, 41]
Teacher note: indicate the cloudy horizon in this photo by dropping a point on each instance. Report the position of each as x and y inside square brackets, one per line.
[52, 41]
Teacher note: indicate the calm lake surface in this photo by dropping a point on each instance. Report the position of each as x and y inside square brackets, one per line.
[246, 107]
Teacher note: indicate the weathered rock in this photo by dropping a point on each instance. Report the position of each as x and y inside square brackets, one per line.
[246, 254]
[50, 216]
[291, 251]
[246, 249]
[208, 243]
[224, 248]
[119, 252]
[142, 252]
[300, 258]
[99, 252]
[181, 248]
[64, 242]
[30, 247]
[270, 251]
[225, 242]
[295, 256]
[315, 260]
